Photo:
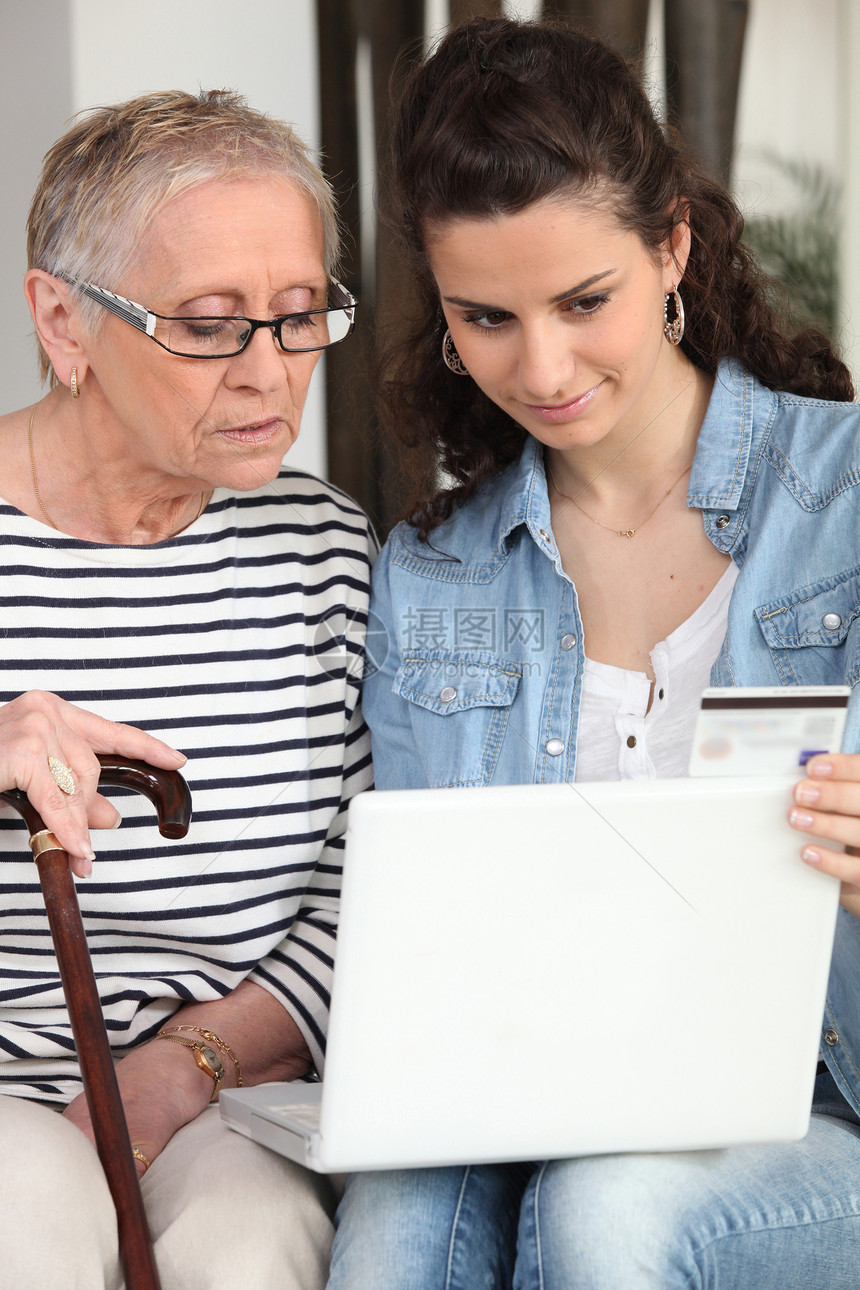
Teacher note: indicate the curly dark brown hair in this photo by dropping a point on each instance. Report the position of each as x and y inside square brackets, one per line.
[504, 114]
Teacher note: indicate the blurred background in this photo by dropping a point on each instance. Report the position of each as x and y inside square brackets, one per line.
[764, 90]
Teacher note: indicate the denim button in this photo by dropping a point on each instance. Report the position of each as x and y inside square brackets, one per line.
[568, 641]
[832, 622]
[555, 747]
[723, 521]
[448, 694]
[831, 1037]
[545, 535]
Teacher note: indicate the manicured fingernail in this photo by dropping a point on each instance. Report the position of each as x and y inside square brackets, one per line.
[821, 769]
[117, 822]
[807, 793]
[810, 855]
[800, 819]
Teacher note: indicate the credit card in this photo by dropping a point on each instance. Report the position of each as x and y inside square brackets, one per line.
[767, 730]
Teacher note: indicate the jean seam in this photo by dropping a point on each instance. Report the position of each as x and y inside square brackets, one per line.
[538, 1252]
[753, 1231]
[450, 1266]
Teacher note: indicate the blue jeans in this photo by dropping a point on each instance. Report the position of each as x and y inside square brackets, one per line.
[783, 1217]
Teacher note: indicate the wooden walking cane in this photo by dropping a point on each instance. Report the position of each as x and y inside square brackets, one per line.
[168, 792]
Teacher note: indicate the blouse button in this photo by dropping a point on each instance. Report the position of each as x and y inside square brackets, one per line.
[661, 693]
[555, 747]
[723, 521]
[631, 741]
[448, 694]
[545, 535]
[831, 1037]
[832, 622]
[568, 641]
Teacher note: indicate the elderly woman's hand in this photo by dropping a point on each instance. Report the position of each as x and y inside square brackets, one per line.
[827, 806]
[163, 1088]
[37, 726]
[161, 1091]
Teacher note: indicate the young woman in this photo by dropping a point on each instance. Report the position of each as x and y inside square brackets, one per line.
[649, 486]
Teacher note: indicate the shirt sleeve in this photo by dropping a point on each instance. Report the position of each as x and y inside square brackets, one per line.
[397, 758]
[299, 970]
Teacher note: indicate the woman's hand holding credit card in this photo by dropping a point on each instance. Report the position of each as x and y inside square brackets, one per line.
[782, 730]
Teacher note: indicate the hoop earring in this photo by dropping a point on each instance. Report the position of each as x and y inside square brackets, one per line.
[73, 384]
[673, 329]
[451, 358]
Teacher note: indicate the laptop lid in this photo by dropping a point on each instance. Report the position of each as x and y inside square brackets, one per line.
[538, 971]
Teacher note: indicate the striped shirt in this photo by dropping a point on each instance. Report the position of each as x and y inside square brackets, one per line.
[240, 642]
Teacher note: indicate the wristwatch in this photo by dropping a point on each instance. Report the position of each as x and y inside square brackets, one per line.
[206, 1058]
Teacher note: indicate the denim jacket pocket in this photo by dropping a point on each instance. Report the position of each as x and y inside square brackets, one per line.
[813, 633]
[459, 705]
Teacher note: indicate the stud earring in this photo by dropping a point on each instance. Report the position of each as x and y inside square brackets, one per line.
[73, 384]
[673, 329]
[452, 359]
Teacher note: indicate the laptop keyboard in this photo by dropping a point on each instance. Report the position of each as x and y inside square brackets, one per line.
[307, 1114]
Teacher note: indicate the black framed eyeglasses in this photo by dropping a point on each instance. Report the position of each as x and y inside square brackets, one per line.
[301, 333]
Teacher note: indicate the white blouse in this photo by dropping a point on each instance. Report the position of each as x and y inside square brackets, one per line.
[619, 738]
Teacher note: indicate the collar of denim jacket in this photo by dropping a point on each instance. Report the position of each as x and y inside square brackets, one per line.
[739, 413]
[523, 498]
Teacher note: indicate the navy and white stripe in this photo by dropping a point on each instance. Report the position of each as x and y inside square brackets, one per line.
[239, 642]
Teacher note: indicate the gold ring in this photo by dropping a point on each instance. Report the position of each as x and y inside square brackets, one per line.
[43, 841]
[144, 1159]
[62, 776]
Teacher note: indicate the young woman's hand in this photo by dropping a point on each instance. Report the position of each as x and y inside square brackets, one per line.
[827, 806]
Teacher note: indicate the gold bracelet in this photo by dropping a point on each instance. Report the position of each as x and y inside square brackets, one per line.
[206, 1058]
[213, 1039]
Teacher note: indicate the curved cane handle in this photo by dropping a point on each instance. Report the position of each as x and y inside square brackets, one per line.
[166, 789]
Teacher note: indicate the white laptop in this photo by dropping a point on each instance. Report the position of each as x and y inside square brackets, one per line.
[544, 971]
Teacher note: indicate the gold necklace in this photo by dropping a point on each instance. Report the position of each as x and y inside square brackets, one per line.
[628, 533]
[42, 505]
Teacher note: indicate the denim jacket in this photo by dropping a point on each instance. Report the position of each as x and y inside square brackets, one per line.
[478, 638]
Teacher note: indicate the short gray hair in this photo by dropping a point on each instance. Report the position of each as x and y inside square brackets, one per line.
[105, 180]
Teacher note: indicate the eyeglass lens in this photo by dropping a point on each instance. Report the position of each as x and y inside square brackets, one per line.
[220, 337]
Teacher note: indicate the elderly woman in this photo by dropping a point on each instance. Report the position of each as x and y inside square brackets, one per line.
[165, 577]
